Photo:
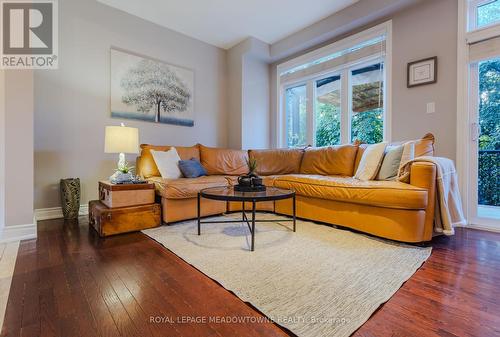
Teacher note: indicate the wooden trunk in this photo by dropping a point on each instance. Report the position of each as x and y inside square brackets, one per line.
[125, 195]
[109, 221]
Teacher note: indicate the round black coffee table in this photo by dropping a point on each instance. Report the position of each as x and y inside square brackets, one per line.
[227, 193]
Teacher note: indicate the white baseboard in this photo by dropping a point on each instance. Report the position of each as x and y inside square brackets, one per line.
[18, 232]
[56, 212]
[485, 227]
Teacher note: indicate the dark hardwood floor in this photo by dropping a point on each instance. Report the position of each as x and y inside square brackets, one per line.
[71, 283]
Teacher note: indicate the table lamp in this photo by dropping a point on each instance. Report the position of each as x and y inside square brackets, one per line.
[121, 139]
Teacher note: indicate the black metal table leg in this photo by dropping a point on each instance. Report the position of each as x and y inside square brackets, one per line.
[294, 215]
[253, 224]
[199, 229]
[243, 211]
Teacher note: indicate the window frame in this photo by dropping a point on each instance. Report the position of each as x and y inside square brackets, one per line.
[472, 13]
[350, 112]
[344, 71]
[464, 126]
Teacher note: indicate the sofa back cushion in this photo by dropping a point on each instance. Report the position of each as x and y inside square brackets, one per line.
[425, 146]
[146, 166]
[330, 160]
[223, 161]
[278, 161]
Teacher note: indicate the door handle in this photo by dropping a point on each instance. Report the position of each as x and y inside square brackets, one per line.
[474, 131]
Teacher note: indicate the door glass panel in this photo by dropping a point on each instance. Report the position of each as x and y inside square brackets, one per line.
[327, 114]
[367, 115]
[489, 136]
[488, 13]
[296, 116]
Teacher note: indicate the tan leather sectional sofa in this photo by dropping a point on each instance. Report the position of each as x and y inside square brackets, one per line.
[324, 183]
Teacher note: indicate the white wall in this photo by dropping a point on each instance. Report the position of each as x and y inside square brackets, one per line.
[422, 31]
[343, 22]
[19, 147]
[16, 154]
[248, 89]
[2, 150]
[255, 118]
[72, 103]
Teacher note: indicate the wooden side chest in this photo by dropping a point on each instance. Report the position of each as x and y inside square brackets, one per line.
[125, 195]
[108, 221]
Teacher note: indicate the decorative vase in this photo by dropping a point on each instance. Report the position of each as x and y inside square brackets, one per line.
[70, 197]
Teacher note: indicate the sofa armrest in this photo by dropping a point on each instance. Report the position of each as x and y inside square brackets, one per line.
[423, 175]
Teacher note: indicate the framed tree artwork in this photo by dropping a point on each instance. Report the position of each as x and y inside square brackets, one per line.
[422, 72]
[150, 90]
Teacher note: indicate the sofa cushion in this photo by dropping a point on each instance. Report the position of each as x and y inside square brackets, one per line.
[388, 194]
[425, 146]
[224, 161]
[146, 165]
[192, 168]
[185, 188]
[370, 162]
[167, 163]
[279, 161]
[330, 160]
[390, 163]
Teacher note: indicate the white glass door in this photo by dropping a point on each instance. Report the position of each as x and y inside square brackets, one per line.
[485, 142]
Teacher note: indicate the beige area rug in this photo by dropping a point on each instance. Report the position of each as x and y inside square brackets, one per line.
[318, 281]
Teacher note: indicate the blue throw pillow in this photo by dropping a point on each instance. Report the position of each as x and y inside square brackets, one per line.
[192, 168]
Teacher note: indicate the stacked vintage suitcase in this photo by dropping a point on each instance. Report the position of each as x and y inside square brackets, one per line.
[124, 208]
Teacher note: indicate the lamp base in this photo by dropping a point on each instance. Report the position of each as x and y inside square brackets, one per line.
[121, 161]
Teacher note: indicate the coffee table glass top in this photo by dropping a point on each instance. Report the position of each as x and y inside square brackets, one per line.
[228, 193]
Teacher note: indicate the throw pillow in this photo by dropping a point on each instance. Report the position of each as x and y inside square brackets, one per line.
[408, 152]
[192, 168]
[390, 163]
[167, 163]
[370, 162]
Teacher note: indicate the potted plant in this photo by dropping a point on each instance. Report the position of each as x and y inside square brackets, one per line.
[123, 174]
[251, 181]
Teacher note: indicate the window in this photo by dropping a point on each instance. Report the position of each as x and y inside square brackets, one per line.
[336, 95]
[327, 112]
[483, 13]
[296, 116]
[367, 103]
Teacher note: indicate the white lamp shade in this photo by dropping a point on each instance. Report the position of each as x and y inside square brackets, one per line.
[121, 139]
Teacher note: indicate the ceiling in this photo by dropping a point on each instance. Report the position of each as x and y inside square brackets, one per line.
[224, 23]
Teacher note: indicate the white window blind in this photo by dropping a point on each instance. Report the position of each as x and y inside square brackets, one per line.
[483, 50]
[373, 50]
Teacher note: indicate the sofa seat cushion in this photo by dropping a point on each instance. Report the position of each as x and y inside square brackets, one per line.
[185, 188]
[388, 194]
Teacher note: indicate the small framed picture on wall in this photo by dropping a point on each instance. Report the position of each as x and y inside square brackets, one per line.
[422, 72]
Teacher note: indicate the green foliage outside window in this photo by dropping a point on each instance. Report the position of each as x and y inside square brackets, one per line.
[489, 140]
[368, 126]
[327, 124]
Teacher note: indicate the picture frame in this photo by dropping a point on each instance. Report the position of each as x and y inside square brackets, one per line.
[168, 97]
[422, 72]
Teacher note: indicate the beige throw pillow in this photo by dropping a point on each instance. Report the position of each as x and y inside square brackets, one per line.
[370, 162]
[167, 163]
[408, 152]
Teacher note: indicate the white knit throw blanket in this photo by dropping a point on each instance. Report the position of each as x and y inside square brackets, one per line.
[449, 211]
